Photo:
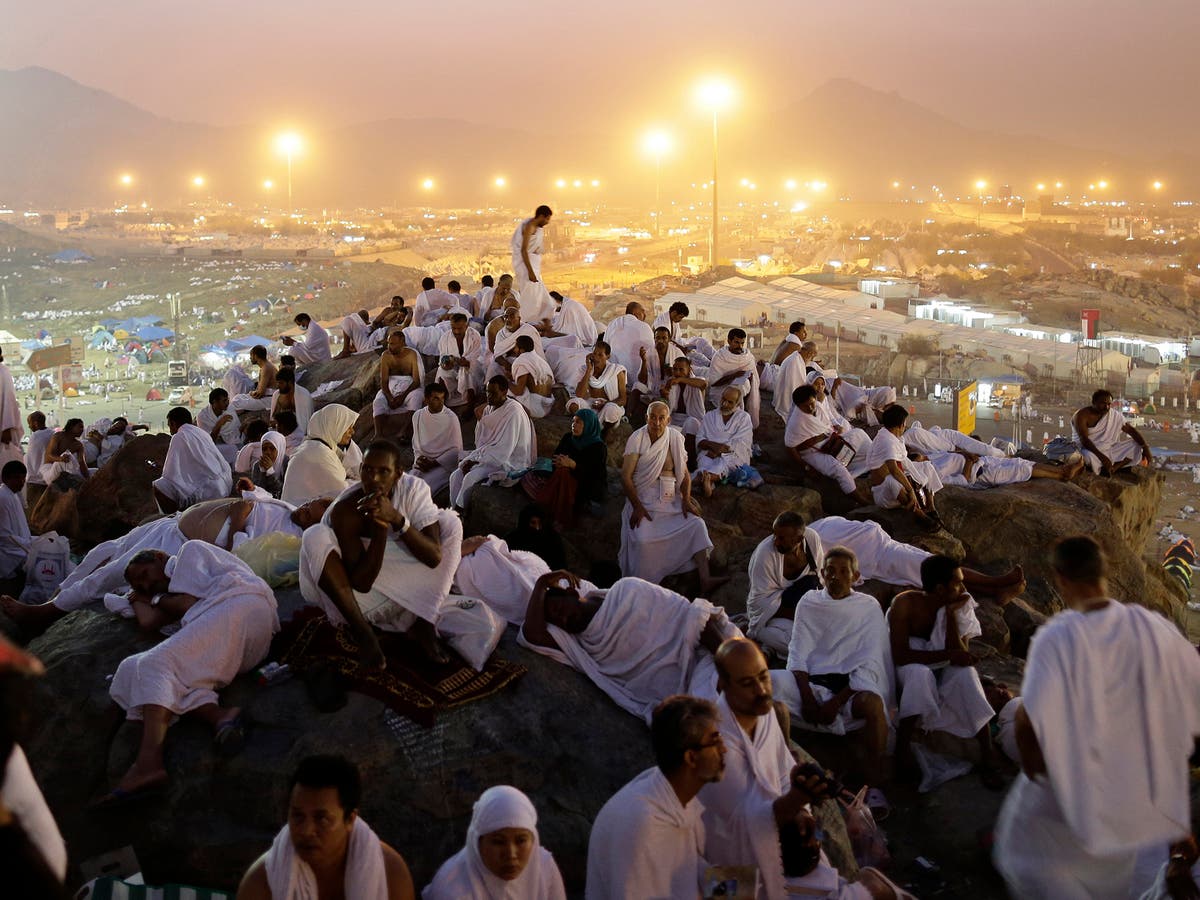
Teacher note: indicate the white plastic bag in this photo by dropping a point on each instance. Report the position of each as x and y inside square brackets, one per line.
[48, 563]
[472, 629]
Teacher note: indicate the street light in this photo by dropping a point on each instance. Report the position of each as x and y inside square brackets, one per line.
[427, 184]
[126, 179]
[1158, 185]
[714, 95]
[500, 181]
[979, 186]
[268, 184]
[289, 143]
[198, 181]
[657, 143]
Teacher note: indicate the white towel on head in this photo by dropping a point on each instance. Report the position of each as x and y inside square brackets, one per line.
[505, 438]
[194, 469]
[464, 875]
[291, 878]
[573, 318]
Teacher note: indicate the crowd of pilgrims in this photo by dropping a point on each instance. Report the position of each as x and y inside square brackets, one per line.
[1100, 735]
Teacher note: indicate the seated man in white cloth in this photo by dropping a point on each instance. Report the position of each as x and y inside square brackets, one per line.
[504, 442]
[222, 424]
[724, 441]
[14, 526]
[790, 345]
[935, 671]
[603, 387]
[783, 568]
[291, 397]
[502, 337]
[1109, 442]
[733, 365]
[530, 378]
[227, 524]
[260, 396]
[763, 789]
[958, 460]
[318, 467]
[313, 347]
[1109, 715]
[194, 469]
[648, 838]
[898, 482]
[841, 660]
[572, 317]
[671, 319]
[226, 615]
[459, 368]
[437, 441]
[638, 642]
[683, 392]
[811, 442]
[383, 557]
[654, 369]
[503, 578]
[401, 376]
[430, 304]
[64, 453]
[827, 410]
[627, 335]
[792, 373]
[662, 532]
[326, 849]
[357, 334]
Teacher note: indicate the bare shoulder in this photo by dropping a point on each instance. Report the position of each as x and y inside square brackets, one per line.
[254, 884]
[903, 603]
[344, 509]
[399, 879]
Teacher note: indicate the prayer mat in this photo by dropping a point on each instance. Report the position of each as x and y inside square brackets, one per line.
[411, 685]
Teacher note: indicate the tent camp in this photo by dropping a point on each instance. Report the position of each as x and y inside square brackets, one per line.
[71, 256]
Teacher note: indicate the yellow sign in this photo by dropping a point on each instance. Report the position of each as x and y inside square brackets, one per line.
[964, 408]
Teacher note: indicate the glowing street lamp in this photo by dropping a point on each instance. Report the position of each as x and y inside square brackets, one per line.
[500, 181]
[714, 95]
[1041, 188]
[790, 184]
[818, 186]
[979, 186]
[198, 181]
[1158, 185]
[577, 183]
[288, 144]
[1103, 185]
[126, 179]
[268, 184]
[560, 183]
[656, 144]
[427, 184]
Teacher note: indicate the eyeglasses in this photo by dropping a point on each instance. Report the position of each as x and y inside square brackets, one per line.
[717, 741]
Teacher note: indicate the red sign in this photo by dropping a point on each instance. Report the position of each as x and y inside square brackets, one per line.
[1090, 323]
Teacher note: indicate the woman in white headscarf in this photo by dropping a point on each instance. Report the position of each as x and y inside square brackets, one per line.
[503, 859]
[268, 467]
[316, 468]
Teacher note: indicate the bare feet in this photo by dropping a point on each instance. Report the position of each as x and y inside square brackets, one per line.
[370, 654]
[708, 484]
[32, 619]
[430, 644]
[1071, 470]
[137, 780]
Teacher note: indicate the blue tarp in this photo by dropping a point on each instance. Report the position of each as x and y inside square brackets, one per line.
[154, 333]
[245, 343]
[71, 256]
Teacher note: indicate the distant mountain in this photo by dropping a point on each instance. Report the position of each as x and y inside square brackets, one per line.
[66, 144]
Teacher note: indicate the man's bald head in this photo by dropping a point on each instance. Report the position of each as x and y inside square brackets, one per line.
[743, 677]
[808, 349]
[633, 308]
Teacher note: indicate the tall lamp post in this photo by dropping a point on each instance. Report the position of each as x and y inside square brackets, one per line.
[288, 144]
[979, 186]
[714, 95]
[657, 143]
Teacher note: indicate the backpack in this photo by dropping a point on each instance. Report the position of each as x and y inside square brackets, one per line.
[48, 563]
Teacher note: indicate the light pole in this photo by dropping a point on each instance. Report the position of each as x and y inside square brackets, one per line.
[289, 143]
[657, 143]
[979, 186]
[714, 95]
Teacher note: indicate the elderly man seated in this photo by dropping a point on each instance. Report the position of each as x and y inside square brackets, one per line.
[227, 523]
[437, 441]
[384, 556]
[683, 392]
[226, 616]
[935, 671]
[638, 642]
[194, 469]
[783, 568]
[661, 530]
[504, 442]
[1109, 442]
[841, 661]
[325, 844]
[724, 442]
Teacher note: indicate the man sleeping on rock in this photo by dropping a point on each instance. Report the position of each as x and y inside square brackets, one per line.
[637, 642]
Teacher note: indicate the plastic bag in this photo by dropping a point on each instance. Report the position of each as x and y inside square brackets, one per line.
[472, 629]
[274, 557]
[867, 839]
[938, 768]
[48, 563]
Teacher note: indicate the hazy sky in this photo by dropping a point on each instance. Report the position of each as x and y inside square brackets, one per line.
[1099, 73]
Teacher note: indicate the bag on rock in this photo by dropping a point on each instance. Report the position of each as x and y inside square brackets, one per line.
[867, 839]
[274, 557]
[471, 629]
[48, 563]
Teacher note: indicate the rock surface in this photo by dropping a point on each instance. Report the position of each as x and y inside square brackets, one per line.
[553, 734]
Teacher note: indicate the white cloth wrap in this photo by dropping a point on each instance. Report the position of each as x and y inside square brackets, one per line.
[1109, 437]
[768, 582]
[438, 436]
[226, 632]
[14, 532]
[646, 844]
[35, 455]
[887, 447]
[667, 543]
[24, 800]
[642, 646]
[626, 335]
[504, 442]
[878, 555]
[465, 875]
[290, 878]
[404, 584]
[102, 570]
[397, 384]
[573, 318]
[802, 427]
[316, 468]
[540, 374]
[737, 434]
[726, 362]
[194, 469]
[504, 578]
[313, 347]
[790, 376]
[457, 379]
[302, 398]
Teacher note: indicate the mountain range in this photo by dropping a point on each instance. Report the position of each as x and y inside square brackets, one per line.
[66, 144]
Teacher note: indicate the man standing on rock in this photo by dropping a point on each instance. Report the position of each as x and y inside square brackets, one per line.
[326, 850]
[384, 556]
[527, 241]
[35, 454]
[1109, 716]
[227, 617]
[1109, 442]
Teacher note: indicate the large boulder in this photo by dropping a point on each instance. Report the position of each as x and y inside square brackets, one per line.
[1017, 524]
[358, 374]
[553, 734]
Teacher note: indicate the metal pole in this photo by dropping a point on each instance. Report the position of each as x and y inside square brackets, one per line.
[712, 247]
[657, 194]
[291, 206]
